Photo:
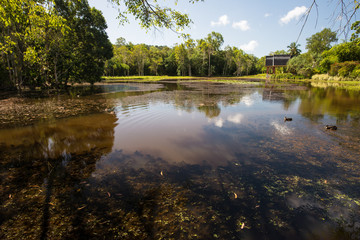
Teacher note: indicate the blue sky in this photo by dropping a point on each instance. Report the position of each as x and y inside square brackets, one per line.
[257, 26]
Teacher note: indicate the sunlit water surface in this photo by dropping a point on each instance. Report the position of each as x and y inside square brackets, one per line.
[191, 161]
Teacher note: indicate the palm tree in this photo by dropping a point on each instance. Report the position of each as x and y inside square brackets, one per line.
[294, 49]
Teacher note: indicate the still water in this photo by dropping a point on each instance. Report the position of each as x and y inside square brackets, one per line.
[185, 161]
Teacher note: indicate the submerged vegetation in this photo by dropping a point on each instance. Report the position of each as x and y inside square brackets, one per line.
[229, 174]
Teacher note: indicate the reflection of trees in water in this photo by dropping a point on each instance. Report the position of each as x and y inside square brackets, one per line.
[43, 164]
[334, 102]
[51, 140]
[210, 111]
[191, 97]
[315, 103]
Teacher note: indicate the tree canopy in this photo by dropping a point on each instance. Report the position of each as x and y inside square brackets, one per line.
[50, 43]
[321, 41]
[152, 14]
[192, 57]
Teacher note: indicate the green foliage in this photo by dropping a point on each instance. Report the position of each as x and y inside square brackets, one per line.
[326, 63]
[278, 52]
[151, 14]
[321, 41]
[349, 51]
[294, 49]
[345, 69]
[355, 36]
[49, 43]
[190, 58]
[355, 73]
[302, 65]
[182, 59]
[285, 76]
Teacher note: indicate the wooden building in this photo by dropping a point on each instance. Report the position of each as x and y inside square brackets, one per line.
[272, 62]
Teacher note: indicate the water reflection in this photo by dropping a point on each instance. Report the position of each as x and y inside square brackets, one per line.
[53, 140]
[207, 162]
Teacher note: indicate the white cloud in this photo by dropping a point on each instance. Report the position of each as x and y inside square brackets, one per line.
[250, 46]
[219, 123]
[296, 13]
[247, 101]
[282, 129]
[235, 118]
[267, 15]
[223, 21]
[242, 25]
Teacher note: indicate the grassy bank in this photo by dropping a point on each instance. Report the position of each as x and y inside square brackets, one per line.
[322, 81]
[179, 78]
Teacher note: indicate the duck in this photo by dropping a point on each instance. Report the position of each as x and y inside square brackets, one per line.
[287, 119]
[331, 127]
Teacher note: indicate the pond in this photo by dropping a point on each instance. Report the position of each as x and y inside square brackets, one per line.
[182, 160]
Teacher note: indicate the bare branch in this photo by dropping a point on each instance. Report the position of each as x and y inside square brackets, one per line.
[306, 16]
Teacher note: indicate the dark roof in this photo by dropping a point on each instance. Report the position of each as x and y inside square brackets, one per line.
[277, 60]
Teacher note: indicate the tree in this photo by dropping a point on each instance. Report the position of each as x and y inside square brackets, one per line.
[88, 41]
[151, 14]
[278, 52]
[349, 51]
[343, 14]
[120, 42]
[28, 33]
[213, 43]
[189, 45]
[140, 56]
[228, 60]
[302, 65]
[294, 49]
[156, 60]
[48, 43]
[240, 61]
[355, 36]
[181, 58]
[321, 41]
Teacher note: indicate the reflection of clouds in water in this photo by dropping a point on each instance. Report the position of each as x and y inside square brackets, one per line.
[283, 130]
[219, 122]
[235, 118]
[248, 101]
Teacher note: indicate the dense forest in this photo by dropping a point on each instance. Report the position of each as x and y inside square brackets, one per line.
[49, 44]
[205, 57]
[202, 57]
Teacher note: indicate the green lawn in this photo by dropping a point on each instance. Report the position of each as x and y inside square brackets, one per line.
[179, 78]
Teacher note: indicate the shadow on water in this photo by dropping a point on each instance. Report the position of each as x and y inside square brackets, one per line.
[238, 172]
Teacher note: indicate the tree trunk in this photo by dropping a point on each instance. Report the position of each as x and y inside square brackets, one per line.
[209, 68]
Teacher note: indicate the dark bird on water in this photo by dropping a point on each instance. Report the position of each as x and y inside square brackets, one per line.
[287, 119]
[331, 127]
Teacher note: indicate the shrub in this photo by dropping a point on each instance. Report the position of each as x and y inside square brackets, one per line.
[356, 72]
[343, 69]
[282, 76]
[320, 77]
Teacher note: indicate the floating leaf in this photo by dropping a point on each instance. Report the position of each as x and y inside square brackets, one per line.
[242, 225]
